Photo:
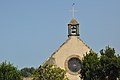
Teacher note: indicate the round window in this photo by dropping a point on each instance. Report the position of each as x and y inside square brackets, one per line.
[74, 64]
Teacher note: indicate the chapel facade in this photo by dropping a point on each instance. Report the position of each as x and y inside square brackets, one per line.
[69, 55]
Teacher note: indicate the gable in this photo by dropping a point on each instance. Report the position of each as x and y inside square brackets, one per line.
[72, 46]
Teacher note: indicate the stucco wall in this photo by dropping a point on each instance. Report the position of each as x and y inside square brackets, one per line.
[72, 47]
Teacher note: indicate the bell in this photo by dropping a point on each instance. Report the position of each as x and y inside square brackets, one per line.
[73, 31]
[73, 27]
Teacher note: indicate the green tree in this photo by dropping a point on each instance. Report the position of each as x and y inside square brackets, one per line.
[9, 72]
[119, 65]
[110, 64]
[27, 72]
[50, 72]
[90, 65]
[103, 67]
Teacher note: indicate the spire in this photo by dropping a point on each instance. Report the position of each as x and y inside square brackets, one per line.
[73, 21]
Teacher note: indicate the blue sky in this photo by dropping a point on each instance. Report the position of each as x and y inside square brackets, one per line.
[31, 30]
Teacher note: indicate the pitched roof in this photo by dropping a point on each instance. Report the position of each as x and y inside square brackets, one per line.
[73, 21]
[50, 60]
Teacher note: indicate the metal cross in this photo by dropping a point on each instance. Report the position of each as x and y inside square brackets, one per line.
[73, 10]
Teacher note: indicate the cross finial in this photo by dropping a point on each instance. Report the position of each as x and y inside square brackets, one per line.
[73, 9]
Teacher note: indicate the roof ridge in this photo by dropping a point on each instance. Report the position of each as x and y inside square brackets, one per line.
[84, 42]
[56, 51]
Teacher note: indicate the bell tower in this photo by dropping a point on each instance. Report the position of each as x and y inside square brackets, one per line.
[73, 28]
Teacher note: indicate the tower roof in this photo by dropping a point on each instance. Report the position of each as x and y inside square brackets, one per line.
[73, 21]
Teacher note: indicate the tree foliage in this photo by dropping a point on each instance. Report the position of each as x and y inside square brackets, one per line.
[103, 67]
[27, 72]
[9, 72]
[89, 66]
[50, 72]
[110, 64]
